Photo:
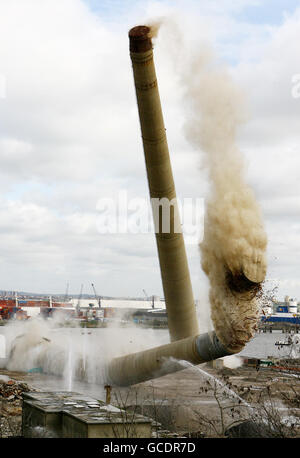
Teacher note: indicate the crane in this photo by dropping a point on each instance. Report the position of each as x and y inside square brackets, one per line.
[67, 293]
[147, 297]
[96, 296]
[79, 299]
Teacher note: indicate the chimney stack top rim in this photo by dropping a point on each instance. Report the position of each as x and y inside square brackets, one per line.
[140, 39]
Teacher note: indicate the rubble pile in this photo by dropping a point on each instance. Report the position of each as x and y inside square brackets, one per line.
[11, 407]
[12, 390]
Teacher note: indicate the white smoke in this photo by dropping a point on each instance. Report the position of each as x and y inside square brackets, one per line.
[232, 361]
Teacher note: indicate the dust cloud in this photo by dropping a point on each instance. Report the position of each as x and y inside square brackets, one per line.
[70, 351]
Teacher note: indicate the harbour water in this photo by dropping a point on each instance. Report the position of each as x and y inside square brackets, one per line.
[93, 343]
[99, 345]
[135, 339]
[117, 341]
[263, 345]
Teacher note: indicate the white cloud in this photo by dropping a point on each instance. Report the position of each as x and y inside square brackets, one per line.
[70, 135]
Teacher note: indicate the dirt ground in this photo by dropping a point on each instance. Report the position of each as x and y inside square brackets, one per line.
[193, 403]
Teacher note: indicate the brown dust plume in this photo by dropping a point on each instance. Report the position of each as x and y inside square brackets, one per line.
[233, 250]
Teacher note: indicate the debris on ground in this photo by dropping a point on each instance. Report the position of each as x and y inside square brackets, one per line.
[12, 389]
[11, 407]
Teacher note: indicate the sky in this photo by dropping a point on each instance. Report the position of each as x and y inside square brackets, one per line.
[70, 137]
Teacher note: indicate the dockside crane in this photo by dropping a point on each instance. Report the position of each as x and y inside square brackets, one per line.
[79, 300]
[147, 297]
[67, 293]
[96, 296]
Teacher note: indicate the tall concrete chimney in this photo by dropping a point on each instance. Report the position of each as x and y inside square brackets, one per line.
[183, 326]
[175, 275]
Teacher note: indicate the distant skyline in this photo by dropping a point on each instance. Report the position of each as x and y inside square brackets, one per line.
[70, 136]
